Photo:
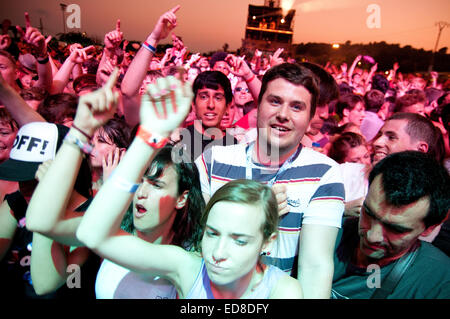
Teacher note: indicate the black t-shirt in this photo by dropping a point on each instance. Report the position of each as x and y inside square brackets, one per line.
[193, 143]
[15, 276]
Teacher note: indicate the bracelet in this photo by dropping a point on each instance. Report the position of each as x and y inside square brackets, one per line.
[251, 79]
[43, 61]
[149, 47]
[123, 184]
[86, 148]
[82, 132]
[151, 139]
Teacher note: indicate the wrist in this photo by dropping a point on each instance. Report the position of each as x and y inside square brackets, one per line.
[152, 139]
[86, 132]
[152, 40]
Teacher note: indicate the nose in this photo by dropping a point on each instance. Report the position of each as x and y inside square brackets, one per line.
[211, 105]
[283, 113]
[142, 191]
[220, 251]
[375, 233]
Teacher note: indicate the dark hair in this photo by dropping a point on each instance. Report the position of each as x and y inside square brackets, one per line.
[85, 81]
[295, 74]
[249, 192]
[411, 175]
[217, 56]
[91, 66]
[379, 82]
[328, 88]
[186, 226]
[342, 144]
[213, 80]
[419, 128]
[410, 98]
[433, 94]
[347, 101]
[374, 100]
[445, 116]
[5, 117]
[118, 132]
[58, 107]
[34, 93]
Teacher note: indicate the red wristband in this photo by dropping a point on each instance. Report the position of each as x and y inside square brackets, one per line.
[151, 139]
[251, 79]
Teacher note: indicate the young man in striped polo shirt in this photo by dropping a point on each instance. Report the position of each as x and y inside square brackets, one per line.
[308, 184]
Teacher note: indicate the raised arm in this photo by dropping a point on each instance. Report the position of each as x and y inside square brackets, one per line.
[33, 37]
[76, 58]
[241, 68]
[20, 111]
[162, 110]
[50, 211]
[138, 68]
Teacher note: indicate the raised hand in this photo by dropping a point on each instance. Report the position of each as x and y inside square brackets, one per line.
[96, 108]
[238, 66]
[111, 160]
[166, 23]
[81, 55]
[165, 105]
[33, 37]
[275, 59]
[114, 38]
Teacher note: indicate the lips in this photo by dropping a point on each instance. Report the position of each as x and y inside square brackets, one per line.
[280, 129]
[210, 116]
[140, 211]
[215, 269]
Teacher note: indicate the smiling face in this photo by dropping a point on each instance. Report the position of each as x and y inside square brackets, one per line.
[155, 201]
[242, 94]
[392, 138]
[7, 136]
[386, 231]
[283, 115]
[232, 242]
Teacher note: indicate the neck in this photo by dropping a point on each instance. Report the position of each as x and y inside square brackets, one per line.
[211, 132]
[260, 155]
[162, 234]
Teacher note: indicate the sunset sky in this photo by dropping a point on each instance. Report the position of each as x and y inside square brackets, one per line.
[205, 25]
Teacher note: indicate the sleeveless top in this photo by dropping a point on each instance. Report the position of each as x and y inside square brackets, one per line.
[202, 285]
[116, 282]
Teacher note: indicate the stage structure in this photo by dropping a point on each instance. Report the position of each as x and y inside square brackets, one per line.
[268, 28]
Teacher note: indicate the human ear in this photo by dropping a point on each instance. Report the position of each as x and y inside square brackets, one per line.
[182, 200]
[268, 243]
[428, 231]
[345, 112]
[422, 146]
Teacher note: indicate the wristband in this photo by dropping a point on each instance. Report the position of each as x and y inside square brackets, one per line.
[149, 47]
[82, 132]
[43, 61]
[151, 139]
[86, 148]
[123, 184]
[251, 79]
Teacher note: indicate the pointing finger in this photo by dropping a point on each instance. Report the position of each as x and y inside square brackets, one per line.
[175, 9]
[112, 79]
[27, 20]
[118, 25]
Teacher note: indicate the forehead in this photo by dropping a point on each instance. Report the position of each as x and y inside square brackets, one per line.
[229, 217]
[241, 84]
[396, 126]
[411, 213]
[288, 91]
[211, 91]
[5, 61]
[220, 64]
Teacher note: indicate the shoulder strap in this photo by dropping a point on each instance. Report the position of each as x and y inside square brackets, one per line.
[393, 278]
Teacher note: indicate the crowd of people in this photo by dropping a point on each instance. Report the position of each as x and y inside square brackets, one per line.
[128, 174]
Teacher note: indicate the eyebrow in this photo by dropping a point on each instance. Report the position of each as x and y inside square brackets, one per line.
[232, 234]
[280, 98]
[396, 227]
